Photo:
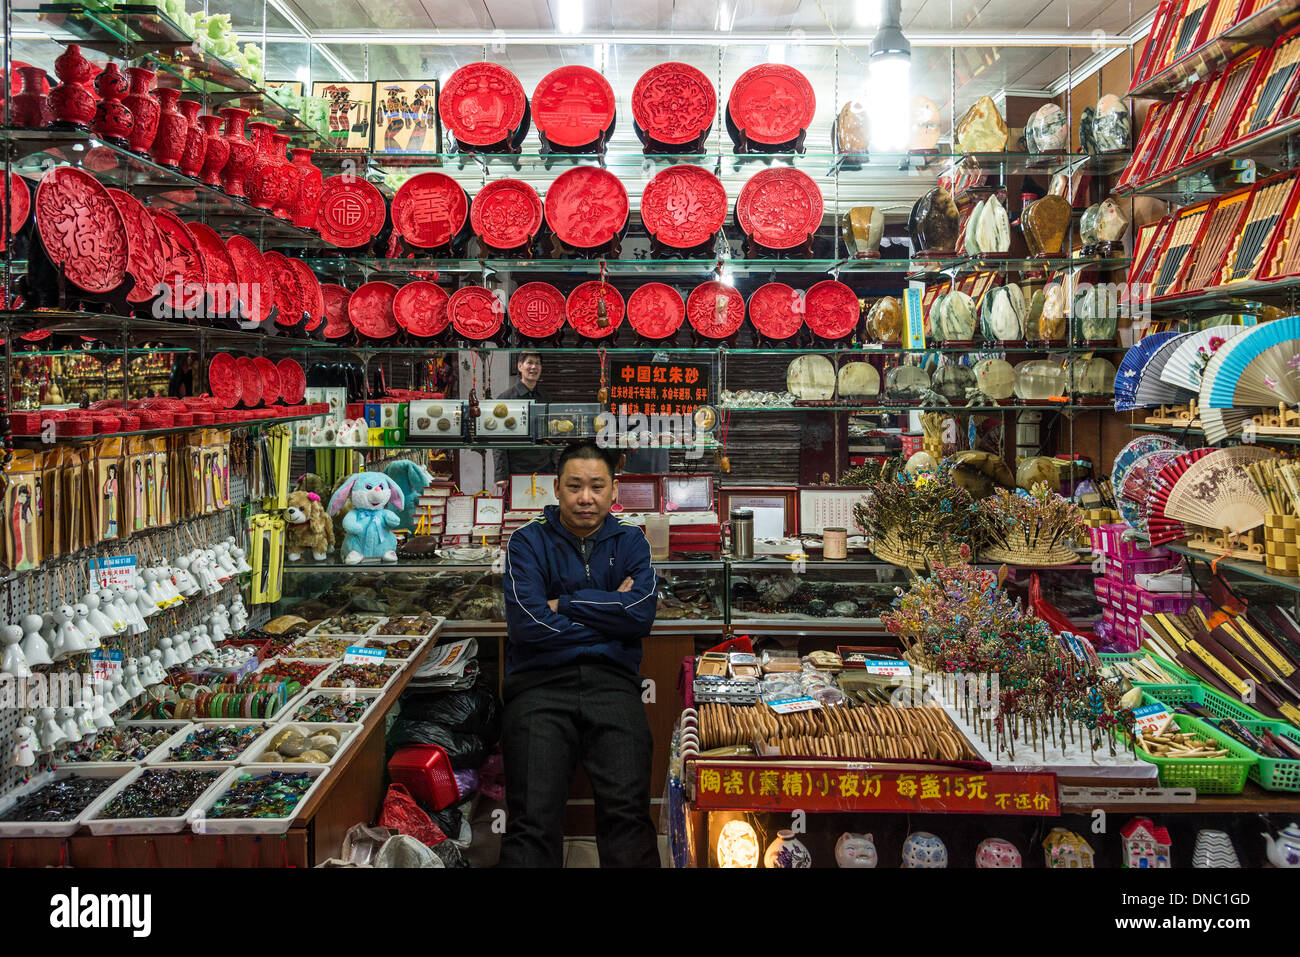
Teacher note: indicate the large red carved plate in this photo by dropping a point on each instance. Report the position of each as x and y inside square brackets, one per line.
[586, 206]
[831, 309]
[476, 312]
[674, 103]
[370, 309]
[285, 287]
[222, 278]
[250, 381]
[293, 381]
[779, 208]
[537, 310]
[482, 104]
[583, 309]
[507, 213]
[430, 209]
[702, 310]
[656, 310]
[351, 211]
[337, 323]
[145, 259]
[22, 206]
[776, 310]
[684, 206]
[313, 303]
[253, 275]
[573, 105]
[224, 380]
[181, 258]
[270, 376]
[420, 308]
[771, 103]
[81, 229]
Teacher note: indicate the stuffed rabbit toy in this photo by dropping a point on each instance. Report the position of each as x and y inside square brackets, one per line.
[366, 528]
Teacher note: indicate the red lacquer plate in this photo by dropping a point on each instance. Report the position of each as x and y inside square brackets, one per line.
[250, 381]
[430, 209]
[420, 308]
[674, 103]
[772, 103]
[776, 310]
[284, 285]
[22, 200]
[351, 211]
[583, 309]
[270, 379]
[221, 279]
[224, 380]
[573, 105]
[655, 310]
[702, 310]
[293, 381]
[476, 312]
[256, 291]
[482, 104]
[81, 229]
[181, 258]
[684, 206]
[507, 213]
[313, 302]
[537, 310]
[370, 309]
[145, 258]
[831, 309]
[337, 323]
[586, 206]
[779, 208]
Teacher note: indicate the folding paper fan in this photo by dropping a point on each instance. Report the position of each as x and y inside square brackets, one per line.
[1137, 481]
[1129, 454]
[1248, 371]
[1130, 368]
[1184, 367]
[1151, 389]
[1216, 491]
[1161, 529]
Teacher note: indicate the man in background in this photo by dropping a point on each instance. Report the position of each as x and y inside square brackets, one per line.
[508, 462]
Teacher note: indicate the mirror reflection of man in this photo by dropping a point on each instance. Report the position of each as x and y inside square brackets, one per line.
[508, 462]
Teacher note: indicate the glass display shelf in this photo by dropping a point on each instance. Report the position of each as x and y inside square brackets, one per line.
[418, 564]
[133, 328]
[480, 445]
[165, 188]
[36, 442]
[1245, 297]
[1263, 26]
[959, 409]
[1199, 433]
[853, 351]
[1256, 570]
[105, 353]
[139, 31]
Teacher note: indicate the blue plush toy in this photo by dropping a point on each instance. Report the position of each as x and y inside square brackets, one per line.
[412, 478]
[366, 528]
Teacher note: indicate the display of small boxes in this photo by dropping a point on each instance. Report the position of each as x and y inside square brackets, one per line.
[386, 415]
[570, 420]
[1281, 552]
[436, 418]
[504, 419]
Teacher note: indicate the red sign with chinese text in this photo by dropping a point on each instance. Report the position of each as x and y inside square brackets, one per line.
[658, 388]
[837, 786]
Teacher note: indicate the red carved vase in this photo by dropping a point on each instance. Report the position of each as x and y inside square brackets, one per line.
[287, 179]
[196, 142]
[144, 108]
[261, 182]
[237, 166]
[113, 121]
[31, 105]
[215, 151]
[169, 141]
[71, 102]
[309, 187]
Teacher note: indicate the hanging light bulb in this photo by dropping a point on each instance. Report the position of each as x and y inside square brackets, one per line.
[890, 68]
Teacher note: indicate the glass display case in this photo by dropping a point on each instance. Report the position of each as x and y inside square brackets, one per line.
[812, 592]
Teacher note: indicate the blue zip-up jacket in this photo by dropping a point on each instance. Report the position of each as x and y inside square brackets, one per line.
[594, 621]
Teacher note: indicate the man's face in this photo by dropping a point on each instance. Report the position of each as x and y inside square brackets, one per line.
[530, 370]
[585, 490]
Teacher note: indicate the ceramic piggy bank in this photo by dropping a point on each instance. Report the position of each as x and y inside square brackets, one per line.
[923, 849]
[856, 850]
[995, 852]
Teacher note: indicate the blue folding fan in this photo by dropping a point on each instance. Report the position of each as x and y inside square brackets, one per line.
[1130, 369]
[1259, 368]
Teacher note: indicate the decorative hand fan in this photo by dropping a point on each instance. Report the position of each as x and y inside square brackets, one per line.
[1132, 496]
[1216, 491]
[1144, 445]
[1126, 376]
[1161, 529]
[1184, 367]
[1253, 369]
[1151, 389]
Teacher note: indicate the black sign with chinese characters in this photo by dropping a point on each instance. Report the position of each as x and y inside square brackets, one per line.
[658, 388]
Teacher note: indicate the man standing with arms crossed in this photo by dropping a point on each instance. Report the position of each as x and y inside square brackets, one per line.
[580, 595]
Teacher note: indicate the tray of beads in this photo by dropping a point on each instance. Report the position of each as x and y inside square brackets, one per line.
[256, 799]
[130, 743]
[152, 800]
[53, 803]
[213, 742]
[302, 742]
[360, 625]
[376, 677]
[346, 706]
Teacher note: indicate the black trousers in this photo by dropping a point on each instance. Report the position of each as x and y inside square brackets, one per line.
[555, 718]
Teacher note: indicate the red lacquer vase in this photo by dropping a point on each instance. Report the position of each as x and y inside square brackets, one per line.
[113, 121]
[169, 141]
[196, 141]
[234, 173]
[215, 150]
[309, 186]
[286, 178]
[71, 102]
[31, 105]
[261, 182]
[144, 108]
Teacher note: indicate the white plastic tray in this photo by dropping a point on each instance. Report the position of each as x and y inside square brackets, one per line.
[55, 828]
[425, 635]
[322, 682]
[278, 715]
[175, 727]
[378, 620]
[162, 757]
[293, 652]
[419, 644]
[200, 823]
[253, 754]
[146, 825]
[306, 699]
[315, 682]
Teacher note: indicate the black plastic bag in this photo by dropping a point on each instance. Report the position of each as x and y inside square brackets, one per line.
[475, 711]
[463, 750]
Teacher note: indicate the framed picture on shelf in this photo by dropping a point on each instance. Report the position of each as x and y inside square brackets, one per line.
[532, 493]
[406, 116]
[687, 493]
[775, 508]
[489, 511]
[820, 508]
[639, 493]
[350, 106]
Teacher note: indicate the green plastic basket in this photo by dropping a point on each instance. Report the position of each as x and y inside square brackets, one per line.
[1164, 663]
[1219, 705]
[1208, 775]
[1276, 774]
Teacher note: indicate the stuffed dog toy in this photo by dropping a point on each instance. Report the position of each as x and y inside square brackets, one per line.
[310, 529]
[366, 528]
